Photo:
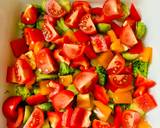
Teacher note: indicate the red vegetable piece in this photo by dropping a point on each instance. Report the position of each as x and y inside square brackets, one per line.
[89, 52]
[134, 13]
[118, 117]
[137, 49]
[83, 4]
[117, 29]
[66, 117]
[81, 36]
[100, 124]
[11, 75]
[108, 40]
[140, 91]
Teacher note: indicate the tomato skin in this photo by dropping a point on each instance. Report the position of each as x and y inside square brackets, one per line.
[36, 119]
[84, 80]
[18, 122]
[10, 105]
[81, 36]
[134, 13]
[128, 37]
[66, 117]
[137, 49]
[89, 52]
[30, 15]
[24, 71]
[116, 65]
[86, 25]
[100, 124]
[129, 20]
[139, 91]
[62, 99]
[11, 75]
[130, 119]
[73, 51]
[83, 4]
[118, 117]
[100, 94]
[117, 29]
[36, 99]
[45, 62]
[49, 32]
[74, 17]
[50, 19]
[54, 9]
[146, 102]
[120, 81]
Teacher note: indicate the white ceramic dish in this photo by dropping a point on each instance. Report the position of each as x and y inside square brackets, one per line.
[9, 15]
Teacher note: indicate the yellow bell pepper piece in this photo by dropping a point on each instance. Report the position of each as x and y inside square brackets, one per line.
[146, 55]
[112, 36]
[144, 124]
[104, 109]
[117, 46]
[66, 80]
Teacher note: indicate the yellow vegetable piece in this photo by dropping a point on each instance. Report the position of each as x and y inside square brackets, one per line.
[144, 124]
[146, 55]
[103, 59]
[66, 80]
[71, 36]
[117, 46]
[122, 97]
[105, 111]
[112, 36]
[84, 101]
[37, 47]
[121, 90]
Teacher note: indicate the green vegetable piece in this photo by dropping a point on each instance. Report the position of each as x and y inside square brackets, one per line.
[46, 124]
[41, 6]
[129, 56]
[22, 91]
[52, 47]
[73, 89]
[126, 11]
[111, 106]
[141, 30]
[21, 25]
[27, 113]
[140, 67]
[64, 69]
[35, 90]
[61, 26]
[103, 27]
[40, 76]
[39, 24]
[65, 4]
[135, 107]
[45, 106]
[102, 76]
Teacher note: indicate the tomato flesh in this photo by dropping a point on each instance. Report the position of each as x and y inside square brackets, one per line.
[83, 4]
[100, 124]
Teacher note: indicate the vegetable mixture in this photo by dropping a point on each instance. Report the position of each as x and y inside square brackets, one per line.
[79, 66]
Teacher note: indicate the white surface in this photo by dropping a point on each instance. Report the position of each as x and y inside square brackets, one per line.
[9, 14]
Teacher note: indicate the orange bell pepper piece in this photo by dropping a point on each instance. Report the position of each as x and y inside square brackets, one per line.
[144, 124]
[66, 80]
[112, 36]
[146, 55]
[117, 46]
[121, 90]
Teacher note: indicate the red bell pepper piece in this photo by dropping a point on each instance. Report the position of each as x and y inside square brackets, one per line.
[66, 117]
[108, 40]
[129, 20]
[62, 99]
[117, 29]
[100, 94]
[118, 117]
[134, 13]
[89, 52]
[19, 46]
[137, 49]
[36, 99]
[11, 75]
[140, 91]
[81, 36]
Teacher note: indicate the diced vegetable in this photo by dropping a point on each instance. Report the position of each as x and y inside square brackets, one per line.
[141, 30]
[65, 4]
[73, 89]
[66, 80]
[27, 113]
[129, 56]
[146, 55]
[103, 27]
[102, 75]
[61, 27]
[64, 69]
[23, 91]
[46, 124]
[45, 106]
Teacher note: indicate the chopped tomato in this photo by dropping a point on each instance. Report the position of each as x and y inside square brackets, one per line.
[146, 102]
[118, 117]
[116, 65]
[18, 46]
[140, 91]
[120, 81]
[72, 20]
[50, 19]
[127, 69]
[45, 62]
[73, 51]
[89, 52]
[130, 119]
[108, 40]
[136, 49]
[80, 118]
[30, 15]
[99, 43]
[100, 94]
[54, 9]
[10, 106]
[112, 9]
[129, 20]
[142, 81]
[86, 24]
[66, 117]
[100, 124]
[128, 37]
[36, 99]
[49, 32]
[117, 29]
[81, 36]
[11, 75]
[18, 122]
[55, 119]
[84, 4]
[57, 54]
[84, 80]
[61, 100]
[24, 71]
[36, 119]
[134, 13]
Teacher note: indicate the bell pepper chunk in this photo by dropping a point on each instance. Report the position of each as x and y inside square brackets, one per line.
[146, 55]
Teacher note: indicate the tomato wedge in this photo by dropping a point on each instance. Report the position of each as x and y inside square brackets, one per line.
[89, 52]
[128, 37]
[134, 13]
[83, 4]
[130, 119]
[84, 80]
[137, 49]
[73, 51]
[116, 65]
[100, 124]
[54, 9]
[36, 119]
[66, 117]
[81, 36]
[86, 25]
